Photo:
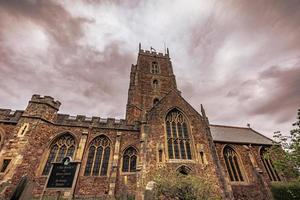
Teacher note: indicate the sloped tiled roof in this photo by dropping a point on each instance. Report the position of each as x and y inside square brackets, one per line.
[233, 134]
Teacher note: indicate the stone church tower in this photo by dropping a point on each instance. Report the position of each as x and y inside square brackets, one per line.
[161, 129]
[150, 80]
[172, 132]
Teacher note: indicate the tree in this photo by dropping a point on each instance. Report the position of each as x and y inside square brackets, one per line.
[286, 151]
[174, 185]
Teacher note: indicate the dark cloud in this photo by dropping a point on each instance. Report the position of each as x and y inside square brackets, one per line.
[283, 96]
[50, 16]
[80, 52]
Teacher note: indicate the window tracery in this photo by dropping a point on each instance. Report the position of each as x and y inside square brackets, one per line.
[155, 68]
[178, 140]
[268, 165]
[129, 160]
[233, 165]
[98, 157]
[62, 147]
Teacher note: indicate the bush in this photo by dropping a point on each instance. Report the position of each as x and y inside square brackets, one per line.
[286, 191]
[173, 185]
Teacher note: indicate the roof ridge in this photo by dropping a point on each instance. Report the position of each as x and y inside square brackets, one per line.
[229, 126]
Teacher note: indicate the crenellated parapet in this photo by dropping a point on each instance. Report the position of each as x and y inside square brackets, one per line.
[45, 100]
[153, 52]
[44, 107]
[9, 115]
[81, 120]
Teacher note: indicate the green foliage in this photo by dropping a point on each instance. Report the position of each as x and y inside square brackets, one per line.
[287, 151]
[173, 185]
[286, 191]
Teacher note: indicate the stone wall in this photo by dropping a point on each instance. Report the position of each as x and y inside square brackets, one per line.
[256, 184]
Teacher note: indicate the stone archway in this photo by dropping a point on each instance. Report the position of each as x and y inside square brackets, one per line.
[184, 170]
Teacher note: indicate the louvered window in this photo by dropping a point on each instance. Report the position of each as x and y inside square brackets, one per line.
[178, 139]
[98, 157]
[129, 160]
[233, 165]
[155, 68]
[61, 147]
[269, 167]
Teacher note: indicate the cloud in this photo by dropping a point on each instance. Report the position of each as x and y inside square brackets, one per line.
[238, 58]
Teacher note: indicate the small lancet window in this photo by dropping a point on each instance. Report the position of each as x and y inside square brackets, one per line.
[98, 157]
[5, 165]
[178, 138]
[160, 155]
[268, 165]
[129, 160]
[155, 68]
[202, 157]
[155, 101]
[60, 148]
[233, 165]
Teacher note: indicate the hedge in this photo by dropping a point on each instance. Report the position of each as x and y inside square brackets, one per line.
[286, 191]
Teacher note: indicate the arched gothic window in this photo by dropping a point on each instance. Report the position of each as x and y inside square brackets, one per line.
[61, 147]
[155, 84]
[98, 157]
[178, 138]
[129, 160]
[267, 162]
[155, 68]
[233, 165]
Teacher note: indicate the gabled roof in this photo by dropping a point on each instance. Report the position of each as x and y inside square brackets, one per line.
[233, 134]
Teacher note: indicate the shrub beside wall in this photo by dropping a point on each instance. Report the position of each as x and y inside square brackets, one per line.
[286, 191]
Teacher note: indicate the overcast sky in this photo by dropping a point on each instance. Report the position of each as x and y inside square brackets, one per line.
[239, 58]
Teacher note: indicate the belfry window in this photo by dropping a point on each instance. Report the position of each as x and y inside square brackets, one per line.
[178, 138]
[155, 68]
[233, 165]
[129, 160]
[61, 147]
[155, 84]
[98, 157]
[267, 162]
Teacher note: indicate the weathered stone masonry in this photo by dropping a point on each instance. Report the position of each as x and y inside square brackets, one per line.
[28, 136]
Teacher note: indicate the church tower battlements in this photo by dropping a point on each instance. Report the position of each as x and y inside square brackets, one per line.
[150, 80]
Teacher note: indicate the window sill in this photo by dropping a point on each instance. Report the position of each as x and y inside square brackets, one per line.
[240, 183]
[127, 173]
[181, 161]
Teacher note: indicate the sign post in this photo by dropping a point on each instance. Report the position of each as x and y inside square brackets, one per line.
[62, 176]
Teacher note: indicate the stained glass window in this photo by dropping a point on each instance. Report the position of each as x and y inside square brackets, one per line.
[267, 162]
[61, 147]
[129, 160]
[177, 136]
[98, 157]
[232, 165]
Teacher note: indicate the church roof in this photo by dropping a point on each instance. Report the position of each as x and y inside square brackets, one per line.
[233, 134]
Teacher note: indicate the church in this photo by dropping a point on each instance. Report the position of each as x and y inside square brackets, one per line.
[113, 155]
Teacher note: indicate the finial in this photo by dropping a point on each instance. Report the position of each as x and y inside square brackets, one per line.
[140, 46]
[152, 49]
[168, 51]
[248, 125]
[203, 111]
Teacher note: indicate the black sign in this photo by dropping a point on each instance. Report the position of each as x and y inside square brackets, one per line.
[62, 174]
